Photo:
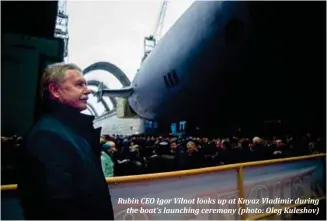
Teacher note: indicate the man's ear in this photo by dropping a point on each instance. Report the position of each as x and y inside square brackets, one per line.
[54, 90]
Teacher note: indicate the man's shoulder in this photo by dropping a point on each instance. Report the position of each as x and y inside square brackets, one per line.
[47, 124]
[46, 132]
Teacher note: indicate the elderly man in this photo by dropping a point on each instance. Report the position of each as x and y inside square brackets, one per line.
[60, 175]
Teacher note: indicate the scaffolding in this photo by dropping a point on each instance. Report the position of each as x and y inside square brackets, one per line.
[61, 28]
[151, 41]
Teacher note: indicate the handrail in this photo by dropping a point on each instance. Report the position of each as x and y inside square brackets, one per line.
[182, 173]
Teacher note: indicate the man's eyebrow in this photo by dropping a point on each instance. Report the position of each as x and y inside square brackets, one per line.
[81, 80]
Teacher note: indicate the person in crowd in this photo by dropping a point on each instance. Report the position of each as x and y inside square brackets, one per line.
[161, 160]
[107, 161]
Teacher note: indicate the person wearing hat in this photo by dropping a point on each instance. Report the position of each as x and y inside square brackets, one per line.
[107, 163]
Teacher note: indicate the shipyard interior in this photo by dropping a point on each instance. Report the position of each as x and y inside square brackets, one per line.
[271, 104]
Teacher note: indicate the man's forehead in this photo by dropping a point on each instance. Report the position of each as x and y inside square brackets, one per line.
[74, 75]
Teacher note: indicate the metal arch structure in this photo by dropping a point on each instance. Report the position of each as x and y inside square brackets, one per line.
[113, 69]
[92, 109]
[96, 84]
[107, 109]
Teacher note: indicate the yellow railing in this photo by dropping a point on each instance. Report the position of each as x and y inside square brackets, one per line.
[239, 167]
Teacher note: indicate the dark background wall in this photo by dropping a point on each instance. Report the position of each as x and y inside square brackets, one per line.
[28, 45]
[36, 18]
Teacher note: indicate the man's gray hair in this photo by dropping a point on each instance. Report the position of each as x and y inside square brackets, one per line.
[55, 73]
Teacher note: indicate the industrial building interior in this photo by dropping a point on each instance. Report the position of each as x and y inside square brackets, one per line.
[34, 34]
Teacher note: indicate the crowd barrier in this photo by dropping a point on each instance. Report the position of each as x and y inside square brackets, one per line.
[231, 192]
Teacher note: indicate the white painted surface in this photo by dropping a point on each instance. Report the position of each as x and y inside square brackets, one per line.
[125, 126]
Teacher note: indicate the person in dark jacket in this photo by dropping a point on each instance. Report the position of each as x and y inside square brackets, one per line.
[60, 175]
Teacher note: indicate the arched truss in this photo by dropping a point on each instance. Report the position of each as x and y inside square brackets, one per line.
[92, 109]
[96, 84]
[112, 69]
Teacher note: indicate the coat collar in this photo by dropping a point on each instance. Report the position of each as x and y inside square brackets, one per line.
[68, 114]
[81, 123]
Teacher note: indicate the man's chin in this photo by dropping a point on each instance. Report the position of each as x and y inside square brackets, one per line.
[82, 107]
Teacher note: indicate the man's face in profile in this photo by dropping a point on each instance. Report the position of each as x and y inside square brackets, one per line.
[73, 91]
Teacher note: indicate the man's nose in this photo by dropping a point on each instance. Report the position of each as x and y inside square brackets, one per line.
[87, 91]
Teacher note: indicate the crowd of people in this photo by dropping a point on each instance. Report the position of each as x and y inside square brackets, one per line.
[141, 154]
[132, 155]
[9, 151]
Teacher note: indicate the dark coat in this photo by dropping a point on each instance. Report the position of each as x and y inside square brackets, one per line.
[60, 175]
